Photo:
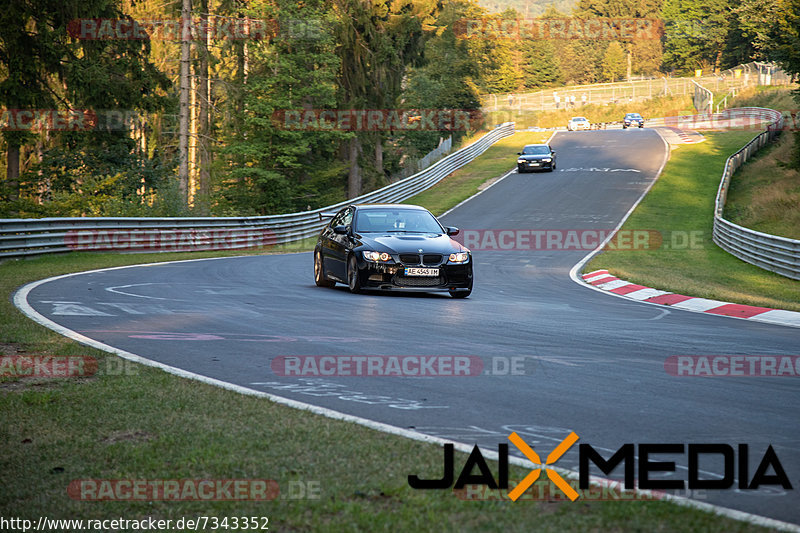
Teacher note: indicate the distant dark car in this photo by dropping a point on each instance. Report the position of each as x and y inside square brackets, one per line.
[536, 157]
[632, 119]
[391, 247]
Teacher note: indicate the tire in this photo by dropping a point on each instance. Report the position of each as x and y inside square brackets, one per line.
[520, 170]
[353, 276]
[624, 127]
[319, 273]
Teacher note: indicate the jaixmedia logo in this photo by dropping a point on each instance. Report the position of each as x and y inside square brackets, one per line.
[636, 461]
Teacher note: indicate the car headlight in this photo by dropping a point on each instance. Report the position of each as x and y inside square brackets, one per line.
[546, 160]
[520, 161]
[376, 256]
[459, 257]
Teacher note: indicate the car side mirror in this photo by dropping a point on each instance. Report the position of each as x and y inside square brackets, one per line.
[451, 230]
[519, 153]
[340, 230]
[552, 152]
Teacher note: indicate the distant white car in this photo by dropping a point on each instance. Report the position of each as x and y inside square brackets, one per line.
[578, 123]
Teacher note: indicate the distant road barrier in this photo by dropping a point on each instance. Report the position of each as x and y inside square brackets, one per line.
[29, 237]
[770, 252]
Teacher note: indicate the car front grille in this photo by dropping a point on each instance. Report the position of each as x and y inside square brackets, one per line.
[421, 259]
[431, 259]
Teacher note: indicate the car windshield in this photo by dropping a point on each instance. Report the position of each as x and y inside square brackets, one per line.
[633, 115]
[536, 150]
[396, 220]
[579, 119]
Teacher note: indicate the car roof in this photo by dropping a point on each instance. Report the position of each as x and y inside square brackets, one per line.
[579, 118]
[634, 114]
[537, 144]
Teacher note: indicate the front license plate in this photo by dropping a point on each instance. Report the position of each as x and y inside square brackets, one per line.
[414, 271]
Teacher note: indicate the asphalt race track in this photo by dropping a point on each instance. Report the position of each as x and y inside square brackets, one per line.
[590, 363]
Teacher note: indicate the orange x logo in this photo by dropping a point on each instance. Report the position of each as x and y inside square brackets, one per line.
[554, 456]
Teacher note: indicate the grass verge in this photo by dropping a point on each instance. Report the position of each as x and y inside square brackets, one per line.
[680, 207]
[765, 191]
[134, 422]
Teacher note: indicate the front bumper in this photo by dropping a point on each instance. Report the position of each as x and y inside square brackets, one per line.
[380, 276]
[535, 165]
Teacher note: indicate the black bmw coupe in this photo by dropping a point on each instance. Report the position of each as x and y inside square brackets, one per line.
[391, 247]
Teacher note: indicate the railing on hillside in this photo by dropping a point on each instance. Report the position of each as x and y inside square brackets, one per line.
[770, 252]
[411, 168]
[738, 77]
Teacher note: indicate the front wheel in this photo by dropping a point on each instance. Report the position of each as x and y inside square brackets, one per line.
[353, 276]
[319, 272]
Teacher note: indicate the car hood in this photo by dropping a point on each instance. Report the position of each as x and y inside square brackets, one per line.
[409, 243]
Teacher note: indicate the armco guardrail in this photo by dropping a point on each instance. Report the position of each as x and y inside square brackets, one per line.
[27, 237]
[770, 252]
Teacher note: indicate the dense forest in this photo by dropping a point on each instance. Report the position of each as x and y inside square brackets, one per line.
[253, 107]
